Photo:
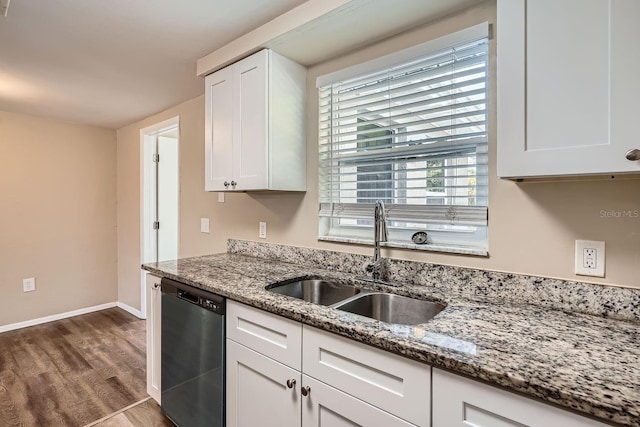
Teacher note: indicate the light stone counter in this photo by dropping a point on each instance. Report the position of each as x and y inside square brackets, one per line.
[552, 351]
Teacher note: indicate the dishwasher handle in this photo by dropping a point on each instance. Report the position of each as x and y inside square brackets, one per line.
[188, 296]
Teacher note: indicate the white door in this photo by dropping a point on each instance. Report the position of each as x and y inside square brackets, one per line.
[250, 138]
[168, 196]
[325, 406]
[159, 196]
[257, 390]
[567, 87]
[218, 130]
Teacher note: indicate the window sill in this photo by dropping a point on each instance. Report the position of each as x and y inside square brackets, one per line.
[431, 247]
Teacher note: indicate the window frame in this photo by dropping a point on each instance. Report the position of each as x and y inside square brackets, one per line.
[474, 240]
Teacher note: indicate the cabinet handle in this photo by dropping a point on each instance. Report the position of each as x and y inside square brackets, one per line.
[226, 184]
[233, 184]
[306, 390]
[633, 154]
[291, 383]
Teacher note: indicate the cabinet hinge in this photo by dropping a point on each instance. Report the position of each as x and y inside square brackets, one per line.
[156, 158]
[156, 225]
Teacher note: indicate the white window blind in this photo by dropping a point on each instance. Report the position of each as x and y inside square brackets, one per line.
[413, 135]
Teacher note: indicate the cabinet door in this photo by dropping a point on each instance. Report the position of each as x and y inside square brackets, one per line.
[218, 130]
[257, 390]
[250, 132]
[325, 406]
[458, 401]
[567, 87]
[154, 316]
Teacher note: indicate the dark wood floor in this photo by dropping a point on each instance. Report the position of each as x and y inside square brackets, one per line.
[72, 372]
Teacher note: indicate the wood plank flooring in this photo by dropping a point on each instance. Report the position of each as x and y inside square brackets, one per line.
[144, 414]
[74, 371]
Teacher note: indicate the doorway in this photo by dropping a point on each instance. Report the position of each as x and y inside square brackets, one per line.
[160, 195]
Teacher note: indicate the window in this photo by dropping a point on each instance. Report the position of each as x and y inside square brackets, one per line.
[409, 129]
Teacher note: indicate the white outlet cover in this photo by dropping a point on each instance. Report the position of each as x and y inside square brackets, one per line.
[581, 250]
[262, 232]
[220, 197]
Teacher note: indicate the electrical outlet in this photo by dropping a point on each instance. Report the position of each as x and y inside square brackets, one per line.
[262, 232]
[29, 285]
[221, 197]
[204, 225]
[590, 258]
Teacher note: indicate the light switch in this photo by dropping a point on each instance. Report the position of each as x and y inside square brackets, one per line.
[204, 225]
[220, 197]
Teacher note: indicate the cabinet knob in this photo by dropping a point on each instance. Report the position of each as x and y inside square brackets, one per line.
[291, 383]
[156, 285]
[226, 184]
[306, 390]
[633, 154]
[233, 184]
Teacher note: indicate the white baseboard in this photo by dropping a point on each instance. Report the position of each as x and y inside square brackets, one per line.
[47, 319]
[131, 310]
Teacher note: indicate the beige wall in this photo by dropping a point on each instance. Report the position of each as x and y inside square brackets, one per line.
[533, 226]
[57, 216]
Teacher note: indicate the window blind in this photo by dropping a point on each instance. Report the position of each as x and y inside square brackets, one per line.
[413, 135]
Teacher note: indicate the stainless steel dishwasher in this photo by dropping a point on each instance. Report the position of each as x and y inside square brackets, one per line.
[193, 353]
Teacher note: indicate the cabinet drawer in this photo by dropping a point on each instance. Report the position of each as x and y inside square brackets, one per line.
[458, 401]
[266, 333]
[392, 383]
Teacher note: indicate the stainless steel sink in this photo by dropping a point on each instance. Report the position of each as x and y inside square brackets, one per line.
[392, 308]
[315, 290]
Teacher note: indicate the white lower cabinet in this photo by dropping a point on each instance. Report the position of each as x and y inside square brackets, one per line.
[335, 392]
[154, 297]
[458, 401]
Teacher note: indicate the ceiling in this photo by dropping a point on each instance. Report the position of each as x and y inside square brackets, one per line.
[110, 63]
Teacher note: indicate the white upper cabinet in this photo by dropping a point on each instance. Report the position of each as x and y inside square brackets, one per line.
[255, 134]
[568, 87]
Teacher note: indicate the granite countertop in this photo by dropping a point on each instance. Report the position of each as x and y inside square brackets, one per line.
[587, 363]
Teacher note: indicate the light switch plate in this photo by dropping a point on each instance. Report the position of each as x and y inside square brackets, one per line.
[204, 225]
[590, 258]
[220, 197]
[29, 285]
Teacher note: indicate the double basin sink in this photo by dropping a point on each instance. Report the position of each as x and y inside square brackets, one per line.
[386, 307]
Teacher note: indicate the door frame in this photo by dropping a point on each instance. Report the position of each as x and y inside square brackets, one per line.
[147, 196]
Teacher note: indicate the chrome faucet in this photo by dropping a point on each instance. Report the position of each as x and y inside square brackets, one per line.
[379, 235]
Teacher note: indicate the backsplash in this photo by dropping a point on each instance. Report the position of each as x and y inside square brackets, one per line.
[594, 299]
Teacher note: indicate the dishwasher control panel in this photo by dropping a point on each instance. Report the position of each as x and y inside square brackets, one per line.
[193, 295]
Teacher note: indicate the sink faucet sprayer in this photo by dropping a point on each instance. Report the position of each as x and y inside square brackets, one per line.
[379, 235]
